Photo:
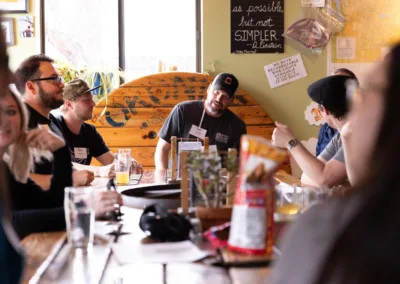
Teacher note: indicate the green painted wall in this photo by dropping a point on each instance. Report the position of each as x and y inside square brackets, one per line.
[286, 103]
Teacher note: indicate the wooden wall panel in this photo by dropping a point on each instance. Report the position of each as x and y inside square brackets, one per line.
[144, 155]
[164, 97]
[155, 117]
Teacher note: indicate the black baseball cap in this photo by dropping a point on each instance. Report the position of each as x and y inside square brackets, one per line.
[76, 88]
[331, 92]
[225, 82]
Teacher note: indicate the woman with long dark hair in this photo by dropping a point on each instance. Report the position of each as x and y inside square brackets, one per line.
[11, 261]
[356, 238]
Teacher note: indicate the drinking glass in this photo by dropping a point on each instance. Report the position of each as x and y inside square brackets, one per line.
[290, 201]
[122, 164]
[79, 216]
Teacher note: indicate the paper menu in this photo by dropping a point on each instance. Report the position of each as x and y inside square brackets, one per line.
[101, 171]
[177, 252]
[346, 47]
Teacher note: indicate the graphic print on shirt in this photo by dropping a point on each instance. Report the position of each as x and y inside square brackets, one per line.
[222, 138]
[79, 155]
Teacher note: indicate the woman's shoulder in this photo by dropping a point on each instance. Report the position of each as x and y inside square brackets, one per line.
[309, 238]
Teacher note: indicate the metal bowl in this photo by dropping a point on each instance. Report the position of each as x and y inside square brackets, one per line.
[169, 195]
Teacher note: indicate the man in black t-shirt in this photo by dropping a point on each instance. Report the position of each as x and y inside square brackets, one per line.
[42, 88]
[83, 140]
[198, 119]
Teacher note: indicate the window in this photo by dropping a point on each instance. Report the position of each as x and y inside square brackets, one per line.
[157, 35]
[84, 33]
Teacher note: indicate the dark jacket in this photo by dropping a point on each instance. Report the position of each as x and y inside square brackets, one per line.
[37, 210]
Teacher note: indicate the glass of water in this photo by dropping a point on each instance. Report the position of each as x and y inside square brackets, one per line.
[79, 216]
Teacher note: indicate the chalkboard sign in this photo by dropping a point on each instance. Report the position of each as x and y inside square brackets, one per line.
[257, 26]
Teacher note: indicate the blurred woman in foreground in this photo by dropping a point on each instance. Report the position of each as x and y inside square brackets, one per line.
[355, 239]
[34, 209]
[10, 252]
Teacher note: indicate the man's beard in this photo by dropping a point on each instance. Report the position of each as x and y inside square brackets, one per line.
[49, 100]
[84, 116]
[214, 111]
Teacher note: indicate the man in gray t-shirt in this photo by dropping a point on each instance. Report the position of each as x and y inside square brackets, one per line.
[333, 150]
[328, 169]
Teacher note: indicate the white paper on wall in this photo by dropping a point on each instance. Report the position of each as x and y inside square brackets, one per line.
[345, 47]
[313, 114]
[285, 71]
[313, 3]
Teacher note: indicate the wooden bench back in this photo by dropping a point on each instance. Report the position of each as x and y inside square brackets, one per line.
[137, 110]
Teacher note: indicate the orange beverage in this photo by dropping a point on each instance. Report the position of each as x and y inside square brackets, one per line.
[288, 209]
[122, 178]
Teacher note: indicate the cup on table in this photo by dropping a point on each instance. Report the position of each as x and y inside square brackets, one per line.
[290, 201]
[79, 216]
[122, 164]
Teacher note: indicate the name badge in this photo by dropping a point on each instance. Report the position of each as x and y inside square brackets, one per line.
[45, 126]
[198, 132]
[80, 153]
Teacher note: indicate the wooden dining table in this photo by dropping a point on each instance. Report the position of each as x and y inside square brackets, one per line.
[40, 248]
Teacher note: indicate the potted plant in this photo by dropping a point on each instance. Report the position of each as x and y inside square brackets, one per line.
[107, 78]
[207, 180]
[67, 70]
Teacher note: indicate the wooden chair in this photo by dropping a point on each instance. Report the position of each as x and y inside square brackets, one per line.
[136, 111]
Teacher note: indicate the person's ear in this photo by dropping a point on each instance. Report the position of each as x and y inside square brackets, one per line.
[68, 104]
[29, 86]
[324, 110]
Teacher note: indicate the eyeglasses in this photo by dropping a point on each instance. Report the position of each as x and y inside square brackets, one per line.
[56, 79]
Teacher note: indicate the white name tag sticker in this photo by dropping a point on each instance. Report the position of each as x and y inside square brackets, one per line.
[45, 126]
[198, 132]
[80, 153]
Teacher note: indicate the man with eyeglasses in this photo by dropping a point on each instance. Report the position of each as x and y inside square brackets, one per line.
[205, 118]
[42, 88]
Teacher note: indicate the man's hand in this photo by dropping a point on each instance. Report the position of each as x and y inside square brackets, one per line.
[43, 139]
[83, 177]
[282, 135]
[105, 201]
[135, 168]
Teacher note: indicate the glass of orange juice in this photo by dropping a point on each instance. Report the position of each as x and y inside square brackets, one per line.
[122, 165]
[289, 202]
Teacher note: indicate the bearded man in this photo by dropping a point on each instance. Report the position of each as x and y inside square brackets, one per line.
[204, 118]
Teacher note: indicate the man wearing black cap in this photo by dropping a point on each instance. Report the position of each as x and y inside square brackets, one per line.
[209, 118]
[83, 140]
[328, 169]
